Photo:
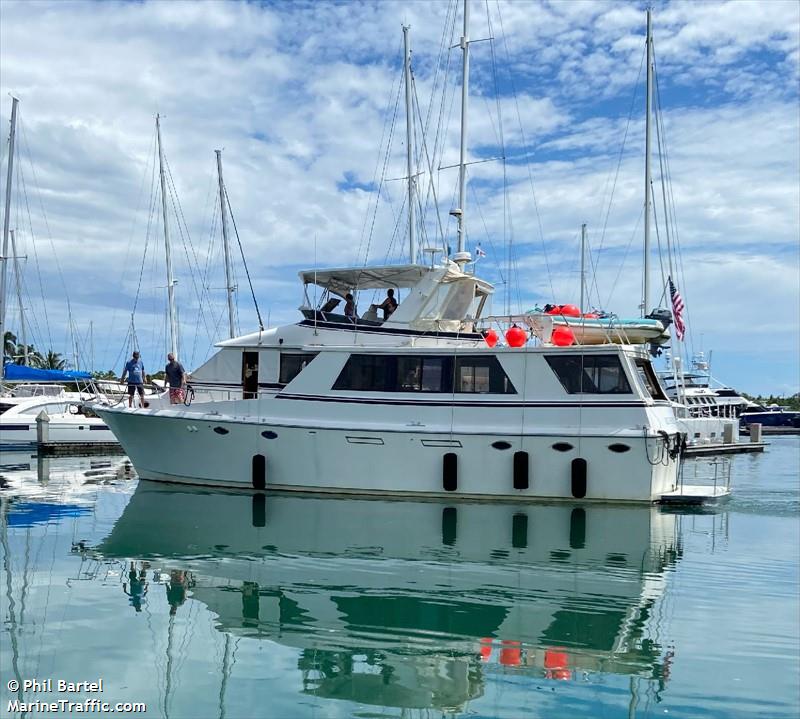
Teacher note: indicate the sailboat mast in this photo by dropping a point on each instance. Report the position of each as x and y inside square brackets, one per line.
[462, 257]
[583, 265]
[18, 281]
[226, 248]
[6, 220]
[173, 325]
[412, 244]
[647, 141]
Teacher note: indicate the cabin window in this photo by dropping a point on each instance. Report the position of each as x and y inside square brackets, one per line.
[420, 374]
[590, 374]
[481, 375]
[649, 379]
[471, 378]
[423, 373]
[292, 364]
[370, 373]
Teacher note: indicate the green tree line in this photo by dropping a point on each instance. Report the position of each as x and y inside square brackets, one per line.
[792, 402]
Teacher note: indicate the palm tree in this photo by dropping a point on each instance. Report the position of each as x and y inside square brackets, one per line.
[35, 358]
[52, 360]
[9, 344]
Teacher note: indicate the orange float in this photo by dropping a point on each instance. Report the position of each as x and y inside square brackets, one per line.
[562, 337]
[516, 337]
[556, 664]
[511, 653]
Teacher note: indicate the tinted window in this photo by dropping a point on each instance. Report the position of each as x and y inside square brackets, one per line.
[292, 364]
[481, 375]
[420, 374]
[371, 373]
[386, 373]
[590, 374]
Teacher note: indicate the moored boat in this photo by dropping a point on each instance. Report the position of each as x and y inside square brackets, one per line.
[416, 403]
[395, 408]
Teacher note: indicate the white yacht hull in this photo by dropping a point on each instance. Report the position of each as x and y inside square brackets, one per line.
[406, 457]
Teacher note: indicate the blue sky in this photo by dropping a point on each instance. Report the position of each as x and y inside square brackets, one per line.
[301, 96]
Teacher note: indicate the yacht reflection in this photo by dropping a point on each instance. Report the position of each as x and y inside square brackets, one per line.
[410, 604]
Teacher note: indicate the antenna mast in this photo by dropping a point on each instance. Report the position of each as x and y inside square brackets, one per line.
[462, 256]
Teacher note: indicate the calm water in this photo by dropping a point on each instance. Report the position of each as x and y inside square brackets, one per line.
[208, 604]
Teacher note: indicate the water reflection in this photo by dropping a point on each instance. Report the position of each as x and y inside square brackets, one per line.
[37, 490]
[409, 604]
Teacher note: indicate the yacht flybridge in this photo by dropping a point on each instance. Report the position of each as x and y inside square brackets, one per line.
[440, 299]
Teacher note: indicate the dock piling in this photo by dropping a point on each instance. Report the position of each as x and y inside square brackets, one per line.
[42, 428]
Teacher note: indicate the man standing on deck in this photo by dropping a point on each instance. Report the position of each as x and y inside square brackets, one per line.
[134, 369]
[176, 379]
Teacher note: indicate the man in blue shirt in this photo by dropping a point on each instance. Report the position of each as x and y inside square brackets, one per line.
[134, 369]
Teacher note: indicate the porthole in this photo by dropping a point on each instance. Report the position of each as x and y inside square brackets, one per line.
[221, 430]
[620, 448]
[562, 447]
[269, 434]
[501, 444]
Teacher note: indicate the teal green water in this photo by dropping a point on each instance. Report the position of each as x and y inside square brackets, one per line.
[210, 604]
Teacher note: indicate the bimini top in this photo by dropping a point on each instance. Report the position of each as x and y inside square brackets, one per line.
[342, 280]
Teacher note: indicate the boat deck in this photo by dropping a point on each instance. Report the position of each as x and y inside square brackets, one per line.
[701, 450]
[696, 494]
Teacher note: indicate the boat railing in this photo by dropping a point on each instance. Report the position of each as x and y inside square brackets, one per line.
[706, 471]
[111, 392]
[541, 326]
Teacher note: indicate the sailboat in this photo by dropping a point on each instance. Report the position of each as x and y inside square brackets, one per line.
[10, 372]
[417, 403]
[28, 391]
[708, 423]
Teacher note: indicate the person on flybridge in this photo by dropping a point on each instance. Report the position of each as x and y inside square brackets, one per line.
[389, 305]
[350, 307]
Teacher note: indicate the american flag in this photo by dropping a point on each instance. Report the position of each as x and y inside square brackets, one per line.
[479, 252]
[677, 310]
